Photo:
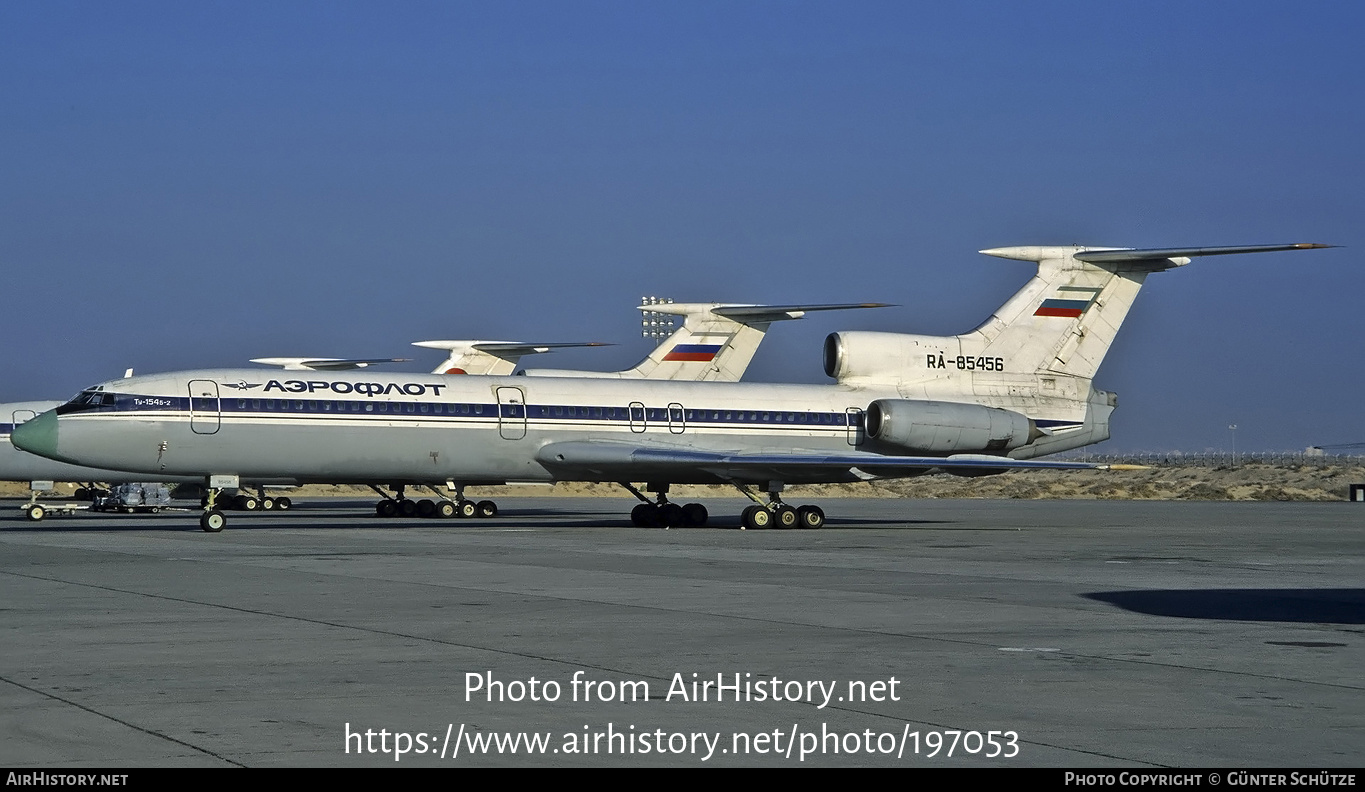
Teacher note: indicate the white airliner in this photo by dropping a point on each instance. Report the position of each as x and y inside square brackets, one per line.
[716, 341]
[1015, 388]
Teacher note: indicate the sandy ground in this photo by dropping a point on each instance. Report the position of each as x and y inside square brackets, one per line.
[1248, 481]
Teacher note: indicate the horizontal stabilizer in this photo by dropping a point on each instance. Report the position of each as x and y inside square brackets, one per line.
[325, 364]
[497, 358]
[1157, 254]
[506, 348]
[773, 313]
[1148, 258]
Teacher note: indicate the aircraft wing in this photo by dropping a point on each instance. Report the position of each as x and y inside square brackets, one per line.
[635, 462]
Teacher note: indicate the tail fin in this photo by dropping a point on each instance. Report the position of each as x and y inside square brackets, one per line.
[1064, 319]
[1040, 350]
[716, 342]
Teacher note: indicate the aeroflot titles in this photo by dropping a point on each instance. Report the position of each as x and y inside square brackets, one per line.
[365, 388]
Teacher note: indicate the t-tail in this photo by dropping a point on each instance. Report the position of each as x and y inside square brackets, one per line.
[1037, 354]
[716, 342]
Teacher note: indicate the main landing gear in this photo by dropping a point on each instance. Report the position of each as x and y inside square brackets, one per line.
[258, 502]
[770, 513]
[398, 505]
[661, 513]
[775, 514]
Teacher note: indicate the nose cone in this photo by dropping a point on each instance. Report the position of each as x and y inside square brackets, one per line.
[38, 436]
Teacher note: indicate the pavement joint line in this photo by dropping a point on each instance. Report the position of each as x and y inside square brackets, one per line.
[120, 721]
[994, 645]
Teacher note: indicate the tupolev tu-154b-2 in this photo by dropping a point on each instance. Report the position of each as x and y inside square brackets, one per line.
[1016, 388]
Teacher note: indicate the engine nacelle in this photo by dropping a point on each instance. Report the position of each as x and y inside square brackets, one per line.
[948, 427]
[864, 354]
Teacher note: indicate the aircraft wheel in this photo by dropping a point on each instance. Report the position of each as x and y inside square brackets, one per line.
[247, 503]
[695, 515]
[467, 509]
[445, 510]
[212, 521]
[785, 517]
[488, 509]
[268, 504]
[757, 518]
[35, 512]
[810, 517]
[386, 508]
[407, 508]
[81, 493]
[426, 508]
[644, 515]
[283, 503]
[672, 515]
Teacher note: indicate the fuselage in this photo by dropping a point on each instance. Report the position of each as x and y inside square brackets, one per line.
[20, 465]
[350, 427]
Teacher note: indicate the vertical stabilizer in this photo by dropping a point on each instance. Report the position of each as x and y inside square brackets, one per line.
[716, 342]
[1040, 350]
[1064, 319]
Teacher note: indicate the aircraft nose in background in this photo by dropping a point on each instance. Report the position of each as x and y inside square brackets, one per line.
[38, 436]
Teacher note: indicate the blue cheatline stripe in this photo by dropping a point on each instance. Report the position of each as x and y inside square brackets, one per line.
[374, 409]
[232, 406]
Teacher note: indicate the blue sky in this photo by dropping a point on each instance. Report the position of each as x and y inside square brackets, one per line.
[186, 185]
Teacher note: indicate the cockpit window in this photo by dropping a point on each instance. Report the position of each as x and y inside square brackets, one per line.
[91, 399]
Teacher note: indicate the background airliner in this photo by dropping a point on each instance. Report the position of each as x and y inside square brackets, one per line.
[716, 341]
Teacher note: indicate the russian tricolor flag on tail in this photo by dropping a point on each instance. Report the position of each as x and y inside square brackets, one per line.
[1070, 302]
[696, 352]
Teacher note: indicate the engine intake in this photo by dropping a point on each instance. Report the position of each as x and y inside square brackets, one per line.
[948, 427]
